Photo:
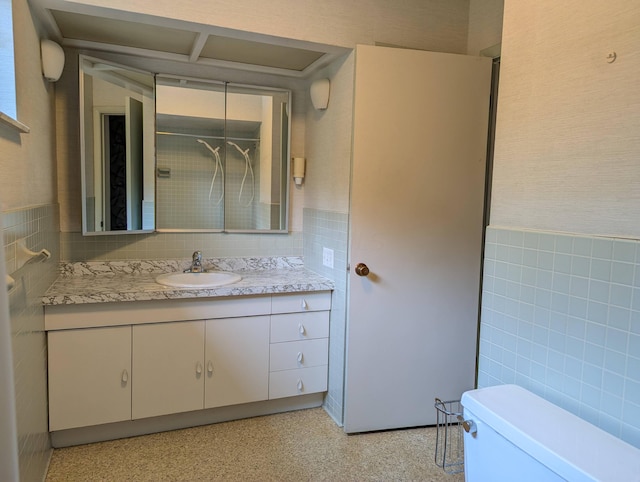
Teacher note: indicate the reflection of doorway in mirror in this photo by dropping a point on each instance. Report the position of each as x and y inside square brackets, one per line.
[117, 123]
[118, 157]
[115, 166]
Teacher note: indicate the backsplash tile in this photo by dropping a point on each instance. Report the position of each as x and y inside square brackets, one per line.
[76, 247]
[561, 317]
[330, 229]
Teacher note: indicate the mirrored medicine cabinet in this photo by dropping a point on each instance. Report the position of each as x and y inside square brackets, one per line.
[116, 139]
[174, 154]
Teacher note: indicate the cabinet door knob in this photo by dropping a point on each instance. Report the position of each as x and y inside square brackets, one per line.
[210, 367]
[300, 386]
[198, 368]
[300, 357]
[125, 376]
[301, 329]
[304, 305]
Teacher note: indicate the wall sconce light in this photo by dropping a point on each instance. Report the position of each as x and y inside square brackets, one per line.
[298, 170]
[52, 60]
[320, 93]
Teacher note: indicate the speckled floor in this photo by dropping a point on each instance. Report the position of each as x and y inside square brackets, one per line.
[304, 445]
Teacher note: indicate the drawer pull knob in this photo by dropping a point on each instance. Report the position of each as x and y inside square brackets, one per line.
[125, 376]
[210, 367]
[300, 357]
[198, 368]
[301, 329]
[300, 386]
[304, 305]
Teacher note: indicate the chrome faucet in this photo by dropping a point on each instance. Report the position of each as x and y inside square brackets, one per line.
[196, 263]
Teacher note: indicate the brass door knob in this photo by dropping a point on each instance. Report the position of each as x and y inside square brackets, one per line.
[362, 269]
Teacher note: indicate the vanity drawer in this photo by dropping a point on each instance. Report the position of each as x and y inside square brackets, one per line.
[298, 354]
[295, 302]
[289, 383]
[299, 326]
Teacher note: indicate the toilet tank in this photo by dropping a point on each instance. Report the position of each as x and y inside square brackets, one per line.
[518, 436]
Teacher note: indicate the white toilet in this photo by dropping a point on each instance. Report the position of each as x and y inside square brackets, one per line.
[514, 435]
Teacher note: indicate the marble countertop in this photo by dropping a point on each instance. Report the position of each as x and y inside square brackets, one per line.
[118, 281]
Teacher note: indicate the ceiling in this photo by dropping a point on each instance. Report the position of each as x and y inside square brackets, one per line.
[99, 29]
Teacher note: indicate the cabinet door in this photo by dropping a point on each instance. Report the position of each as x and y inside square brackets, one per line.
[168, 368]
[237, 366]
[89, 376]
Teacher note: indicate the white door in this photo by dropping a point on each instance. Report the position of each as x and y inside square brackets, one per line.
[419, 151]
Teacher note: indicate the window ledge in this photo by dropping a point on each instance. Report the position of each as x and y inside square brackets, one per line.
[9, 121]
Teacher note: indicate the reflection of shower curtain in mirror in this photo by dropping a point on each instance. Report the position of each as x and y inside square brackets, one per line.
[248, 128]
[190, 197]
[242, 185]
[183, 198]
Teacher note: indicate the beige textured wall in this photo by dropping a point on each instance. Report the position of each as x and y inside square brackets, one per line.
[567, 138]
[426, 24]
[68, 145]
[328, 142]
[28, 163]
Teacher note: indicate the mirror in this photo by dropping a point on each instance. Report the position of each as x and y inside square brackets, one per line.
[222, 152]
[117, 125]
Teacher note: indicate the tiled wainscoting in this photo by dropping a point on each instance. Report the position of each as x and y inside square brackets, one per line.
[561, 317]
[325, 229]
[38, 227]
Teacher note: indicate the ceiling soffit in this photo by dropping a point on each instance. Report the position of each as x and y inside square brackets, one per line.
[83, 27]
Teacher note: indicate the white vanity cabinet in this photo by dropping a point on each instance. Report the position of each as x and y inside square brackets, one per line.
[136, 361]
[89, 376]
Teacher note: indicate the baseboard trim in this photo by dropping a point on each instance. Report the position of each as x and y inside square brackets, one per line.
[134, 428]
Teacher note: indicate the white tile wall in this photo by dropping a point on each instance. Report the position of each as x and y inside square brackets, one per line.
[39, 227]
[329, 229]
[561, 317]
[75, 247]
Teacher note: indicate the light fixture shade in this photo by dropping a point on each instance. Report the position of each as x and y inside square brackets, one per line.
[320, 93]
[52, 60]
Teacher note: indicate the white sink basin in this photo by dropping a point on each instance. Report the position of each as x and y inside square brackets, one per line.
[208, 279]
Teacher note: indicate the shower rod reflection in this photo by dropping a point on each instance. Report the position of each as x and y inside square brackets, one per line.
[198, 136]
